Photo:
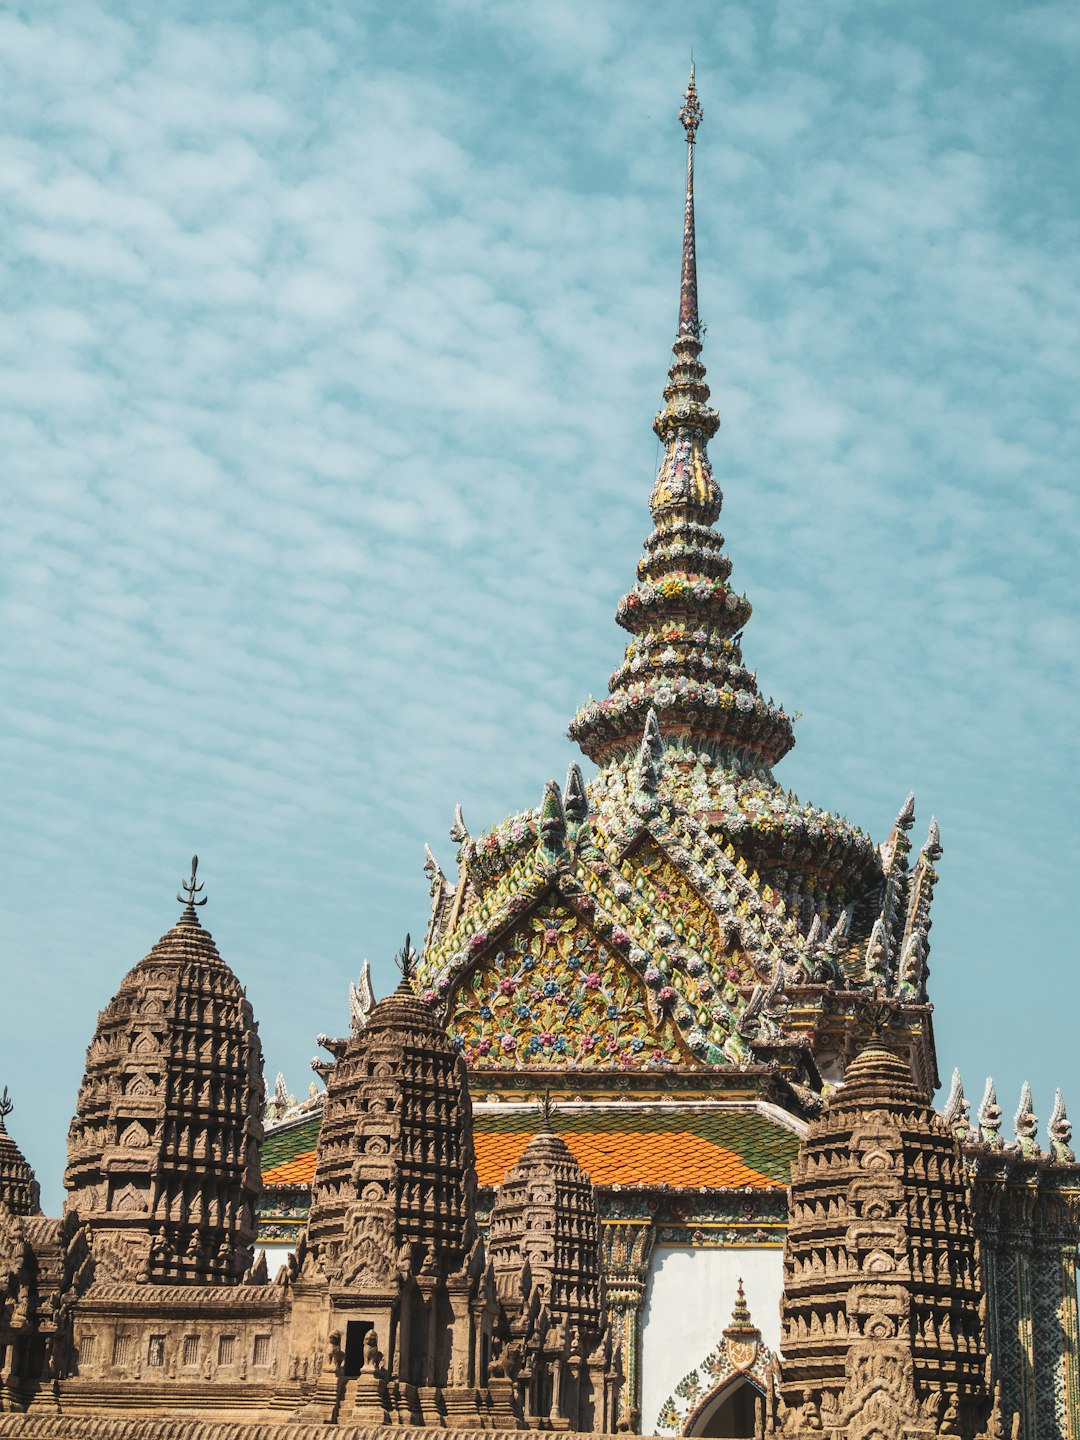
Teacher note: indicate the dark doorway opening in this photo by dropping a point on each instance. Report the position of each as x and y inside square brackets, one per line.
[733, 1414]
[355, 1330]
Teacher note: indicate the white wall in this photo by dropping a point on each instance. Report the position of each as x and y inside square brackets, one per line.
[688, 1301]
[277, 1252]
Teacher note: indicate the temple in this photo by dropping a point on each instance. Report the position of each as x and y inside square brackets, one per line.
[643, 1142]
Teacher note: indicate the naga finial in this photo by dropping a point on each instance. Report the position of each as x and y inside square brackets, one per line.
[7, 1105]
[1059, 1132]
[1026, 1125]
[990, 1117]
[191, 888]
[690, 112]
[957, 1107]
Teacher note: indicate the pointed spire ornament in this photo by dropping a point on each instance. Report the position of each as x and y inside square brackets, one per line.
[838, 935]
[956, 1113]
[912, 968]
[646, 773]
[932, 849]
[990, 1118]
[1026, 1125]
[432, 868]
[547, 1114]
[361, 998]
[552, 821]
[682, 612]
[906, 819]
[877, 953]
[458, 830]
[575, 798]
[740, 1311]
[405, 960]
[6, 1107]
[191, 890]
[691, 116]
[1059, 1133]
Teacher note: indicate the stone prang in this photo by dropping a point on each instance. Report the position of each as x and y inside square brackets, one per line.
[883, 1326]
[163, 1152]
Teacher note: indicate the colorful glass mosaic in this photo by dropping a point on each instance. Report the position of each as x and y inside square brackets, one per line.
[553, 994]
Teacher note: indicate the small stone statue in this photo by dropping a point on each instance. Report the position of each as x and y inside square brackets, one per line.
[811, 1414]
[372, 1354]
[508, 1361]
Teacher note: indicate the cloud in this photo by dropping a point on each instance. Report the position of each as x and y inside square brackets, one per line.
[328, 352]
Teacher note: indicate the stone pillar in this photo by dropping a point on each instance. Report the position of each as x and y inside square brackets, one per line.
[1071, 1327]
[1022, 1248]
[628, 1247]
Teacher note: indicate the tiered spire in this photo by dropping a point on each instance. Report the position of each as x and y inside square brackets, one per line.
[685, 658]
[18, 1187]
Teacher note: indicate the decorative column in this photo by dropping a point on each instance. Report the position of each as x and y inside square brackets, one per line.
[627, 1248]
[1071, 1325]
[1021, 1233]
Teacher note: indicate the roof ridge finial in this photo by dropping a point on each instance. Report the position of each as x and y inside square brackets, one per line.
[7, 1105]
[691, 115]
[191, 888]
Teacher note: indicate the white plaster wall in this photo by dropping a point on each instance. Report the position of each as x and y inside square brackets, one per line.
[688, 1301]
[277, 1252]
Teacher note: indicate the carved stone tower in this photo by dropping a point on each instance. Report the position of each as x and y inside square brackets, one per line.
[19, 1192]
[883, 1328]
[163, 1160]
[392, 1240]
[545, 1249]
[395, 1145]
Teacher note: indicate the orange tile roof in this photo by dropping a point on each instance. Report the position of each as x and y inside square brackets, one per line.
[673, 1157]
[300, 1170]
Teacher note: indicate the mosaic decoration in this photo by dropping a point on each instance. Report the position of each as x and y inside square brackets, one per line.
[740, 1353]
[554, 997]
[746, 876]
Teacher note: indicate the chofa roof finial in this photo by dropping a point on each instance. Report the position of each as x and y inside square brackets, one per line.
[191, 889]
[1059, 1132]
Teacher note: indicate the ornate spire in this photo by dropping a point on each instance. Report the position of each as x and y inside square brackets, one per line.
[18, 1187]
[690, 114]
[191, 890]
[740, 1314]
[685, 659]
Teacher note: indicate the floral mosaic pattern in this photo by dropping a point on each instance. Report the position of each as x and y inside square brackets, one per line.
[553, 995]
[714, 974]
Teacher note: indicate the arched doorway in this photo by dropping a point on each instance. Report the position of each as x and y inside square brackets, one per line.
[730, 1412]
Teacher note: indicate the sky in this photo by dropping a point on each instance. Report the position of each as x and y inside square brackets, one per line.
[330, 340]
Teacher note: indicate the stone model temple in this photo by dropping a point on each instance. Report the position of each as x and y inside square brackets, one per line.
[642, 1143]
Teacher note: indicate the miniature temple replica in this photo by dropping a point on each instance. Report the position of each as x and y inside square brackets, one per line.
[642, 1142]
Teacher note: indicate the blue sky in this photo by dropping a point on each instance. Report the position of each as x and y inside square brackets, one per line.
[330, 339]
